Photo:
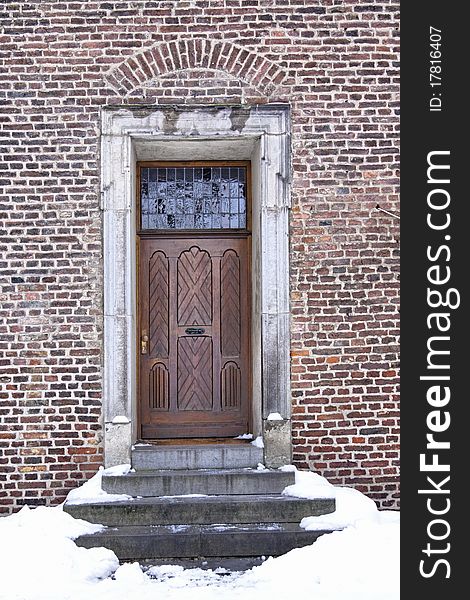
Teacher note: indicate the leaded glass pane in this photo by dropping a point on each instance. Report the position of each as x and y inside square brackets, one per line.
[193, 197]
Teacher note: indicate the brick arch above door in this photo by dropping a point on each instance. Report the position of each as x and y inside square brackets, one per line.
[260, 134]
[136, 71]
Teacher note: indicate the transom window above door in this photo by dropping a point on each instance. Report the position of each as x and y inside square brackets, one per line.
[193, 196]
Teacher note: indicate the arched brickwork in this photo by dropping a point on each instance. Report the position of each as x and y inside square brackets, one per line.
[168, 57]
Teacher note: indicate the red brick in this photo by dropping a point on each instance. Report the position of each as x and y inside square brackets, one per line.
[342, 90]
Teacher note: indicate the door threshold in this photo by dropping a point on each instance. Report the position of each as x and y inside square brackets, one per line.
[194, 441]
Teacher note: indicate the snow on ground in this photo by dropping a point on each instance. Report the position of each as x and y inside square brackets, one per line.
[351, 505]
[39, 560]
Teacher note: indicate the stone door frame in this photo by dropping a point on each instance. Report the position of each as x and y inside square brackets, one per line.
[260, 134]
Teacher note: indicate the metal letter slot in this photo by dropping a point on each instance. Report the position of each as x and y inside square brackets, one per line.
[194, 330]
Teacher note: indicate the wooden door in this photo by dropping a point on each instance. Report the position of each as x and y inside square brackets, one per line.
[194, 298]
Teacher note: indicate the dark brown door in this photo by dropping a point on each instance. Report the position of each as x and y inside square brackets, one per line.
[194, 326]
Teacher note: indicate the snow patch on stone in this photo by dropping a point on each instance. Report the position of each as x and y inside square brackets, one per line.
[120, 420]
[92, 491]
[187, 496]
[309, 485]
[288, 468]
[258, 442]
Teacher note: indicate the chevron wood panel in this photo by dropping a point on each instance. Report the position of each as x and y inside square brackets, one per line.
[159, 389]
[158, 305]
[195, 373]
[230, 303]
[194, 287]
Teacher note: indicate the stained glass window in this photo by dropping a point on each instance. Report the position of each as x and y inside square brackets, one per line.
[206, 197]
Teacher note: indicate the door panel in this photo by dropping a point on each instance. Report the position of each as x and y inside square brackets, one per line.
[194, 287]
[194, 299]
[195, 381]
[158, 293]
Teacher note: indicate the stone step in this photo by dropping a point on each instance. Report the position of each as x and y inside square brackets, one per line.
[197, 481]
[201, 510]
[201, 456]
[229, 563]
[196, 541]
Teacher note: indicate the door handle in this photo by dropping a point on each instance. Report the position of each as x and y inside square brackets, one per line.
[144, 343]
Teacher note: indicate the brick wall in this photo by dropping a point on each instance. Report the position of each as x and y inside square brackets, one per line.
[335, 63]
